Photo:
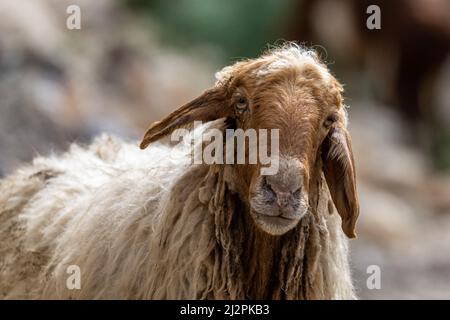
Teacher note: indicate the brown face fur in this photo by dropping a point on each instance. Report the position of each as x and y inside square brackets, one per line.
[289, 90]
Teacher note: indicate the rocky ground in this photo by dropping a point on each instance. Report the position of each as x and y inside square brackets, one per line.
[405, 211]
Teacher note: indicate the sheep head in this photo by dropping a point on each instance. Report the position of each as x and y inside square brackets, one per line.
[290, 90]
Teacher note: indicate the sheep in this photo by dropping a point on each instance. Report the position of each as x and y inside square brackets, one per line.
[154, 225]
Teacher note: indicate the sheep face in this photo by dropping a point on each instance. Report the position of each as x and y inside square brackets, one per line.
[303, 102]
[291, 91]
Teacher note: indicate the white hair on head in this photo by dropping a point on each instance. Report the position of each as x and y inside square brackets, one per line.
[287, 56]
[344, 113]
[224, 74]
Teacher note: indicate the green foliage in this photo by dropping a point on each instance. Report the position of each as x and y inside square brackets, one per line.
[441, 149]
[239, 28]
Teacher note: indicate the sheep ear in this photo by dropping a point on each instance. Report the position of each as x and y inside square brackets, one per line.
[207, 107]
[339, 171]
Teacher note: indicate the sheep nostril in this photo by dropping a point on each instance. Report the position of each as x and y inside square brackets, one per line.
[267, 187]
[296, 193]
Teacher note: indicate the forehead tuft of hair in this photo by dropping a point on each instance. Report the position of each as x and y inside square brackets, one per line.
[290, 55]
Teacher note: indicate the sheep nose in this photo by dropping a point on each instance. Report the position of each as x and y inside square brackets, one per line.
[283, 198]
[285, 186]
[282, 194]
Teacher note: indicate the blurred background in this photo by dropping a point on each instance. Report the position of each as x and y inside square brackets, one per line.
[134, 61]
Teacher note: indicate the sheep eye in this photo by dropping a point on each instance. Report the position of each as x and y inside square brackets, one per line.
[241, 104]
[330, 120]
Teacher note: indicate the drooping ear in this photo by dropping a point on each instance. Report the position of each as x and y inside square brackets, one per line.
[207, 107]
[339, 171]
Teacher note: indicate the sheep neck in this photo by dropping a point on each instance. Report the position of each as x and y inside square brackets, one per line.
[264, 266]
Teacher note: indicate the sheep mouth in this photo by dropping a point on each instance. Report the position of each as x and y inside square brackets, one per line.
[275, 225]
[277, 219]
